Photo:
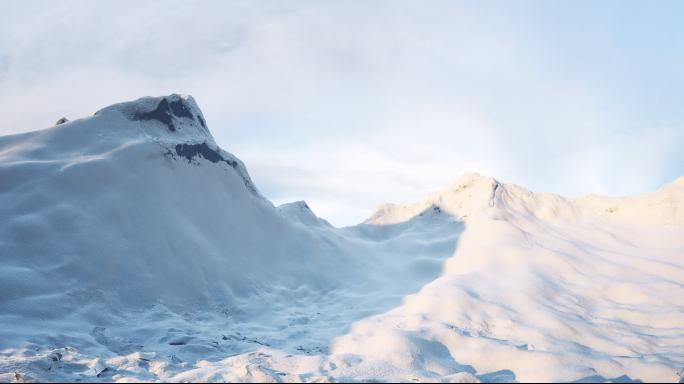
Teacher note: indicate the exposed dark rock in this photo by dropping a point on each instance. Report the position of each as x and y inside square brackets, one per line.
[165, 113]
[162, 114]
[190, 151]
[61, 121]
[103, 371]
[180, 109]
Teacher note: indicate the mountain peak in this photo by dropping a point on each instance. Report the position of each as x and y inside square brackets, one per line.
[469, 179]
[175, 114]
[470, 193]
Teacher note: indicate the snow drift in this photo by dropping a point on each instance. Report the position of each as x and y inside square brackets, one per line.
[134, 248]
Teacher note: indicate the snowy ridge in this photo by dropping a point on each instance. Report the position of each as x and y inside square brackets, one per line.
[470, 193]
[134, 248]
[474, 194]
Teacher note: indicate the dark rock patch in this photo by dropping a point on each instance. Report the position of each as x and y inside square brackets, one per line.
[102, 372]
[201, 121]
[165, 112]
[55, 357]
[180, 109]
[162, 114]
[190, 151]
[62, 121]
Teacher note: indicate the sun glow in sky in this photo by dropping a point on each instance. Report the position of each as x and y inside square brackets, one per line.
[350, 104]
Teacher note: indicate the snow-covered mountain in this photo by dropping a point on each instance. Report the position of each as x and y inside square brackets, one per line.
[134, 248]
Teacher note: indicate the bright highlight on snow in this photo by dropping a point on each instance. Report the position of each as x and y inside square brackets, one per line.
[133, 248]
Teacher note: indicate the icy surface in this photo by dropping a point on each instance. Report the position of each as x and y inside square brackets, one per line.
[134, 249]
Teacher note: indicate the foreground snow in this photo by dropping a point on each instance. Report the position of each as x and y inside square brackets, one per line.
[133, 249]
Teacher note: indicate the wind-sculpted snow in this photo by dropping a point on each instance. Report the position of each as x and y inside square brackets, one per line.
[133, 251]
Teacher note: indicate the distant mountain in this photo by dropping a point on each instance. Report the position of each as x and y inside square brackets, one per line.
[132, 247]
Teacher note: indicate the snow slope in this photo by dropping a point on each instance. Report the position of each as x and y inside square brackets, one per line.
[540, 288]
[133, 248]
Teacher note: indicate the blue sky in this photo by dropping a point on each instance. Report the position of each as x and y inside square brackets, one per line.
[351, 104]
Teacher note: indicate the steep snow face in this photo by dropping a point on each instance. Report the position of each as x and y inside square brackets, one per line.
[134, 248]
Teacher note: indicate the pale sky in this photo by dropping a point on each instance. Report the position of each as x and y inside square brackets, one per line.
[349, 104]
